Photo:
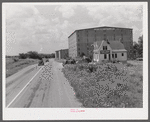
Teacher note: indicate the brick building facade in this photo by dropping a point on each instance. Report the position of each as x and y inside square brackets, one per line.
[81, 41]
[61, 54]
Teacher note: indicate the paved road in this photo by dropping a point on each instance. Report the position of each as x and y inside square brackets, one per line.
[40, 87]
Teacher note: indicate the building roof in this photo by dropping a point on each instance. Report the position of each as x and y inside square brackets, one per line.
[100, 27]
[61, 50]
[97, 44]
[121, 50]
[116, 45]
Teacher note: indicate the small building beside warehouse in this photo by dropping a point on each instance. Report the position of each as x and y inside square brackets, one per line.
[61, 54]
[109, 51]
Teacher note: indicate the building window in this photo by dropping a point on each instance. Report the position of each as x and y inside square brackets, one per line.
[104, 36]
[78, 40]
[79, 53]
[115, 55]
[112, 55]
[105, 56]
[78, 48]
[104, 47]
[122, 54]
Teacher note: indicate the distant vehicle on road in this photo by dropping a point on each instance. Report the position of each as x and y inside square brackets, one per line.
[41, 62]
[47, 60]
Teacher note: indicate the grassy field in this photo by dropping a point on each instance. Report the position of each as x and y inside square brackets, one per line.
[106, 85]
[14, 65]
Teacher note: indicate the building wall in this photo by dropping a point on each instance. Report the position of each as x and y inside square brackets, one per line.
[82, 40]
[99, 57]
[128, 42]
[120, 57]
[85, 40]
[64, 54]
[57, 54]
[84, 44]
[61, 54]
[72, 44]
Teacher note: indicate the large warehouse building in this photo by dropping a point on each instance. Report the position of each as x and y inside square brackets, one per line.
[61, 54]
[81, 41]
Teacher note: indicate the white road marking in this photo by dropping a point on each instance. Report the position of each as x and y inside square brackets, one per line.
[23, 89]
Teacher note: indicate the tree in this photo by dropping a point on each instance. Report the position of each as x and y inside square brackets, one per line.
[135, 50]
[34, 55]
[140, 40]
[52, 55]
[138, 48]
[23, 55]
[140, 43]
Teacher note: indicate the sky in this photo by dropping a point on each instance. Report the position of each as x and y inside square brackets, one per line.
[45, 27]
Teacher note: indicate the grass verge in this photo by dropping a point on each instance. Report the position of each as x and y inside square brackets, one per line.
[14, 65]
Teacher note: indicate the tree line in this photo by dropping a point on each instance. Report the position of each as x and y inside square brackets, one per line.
[35, 55]
[138, 48]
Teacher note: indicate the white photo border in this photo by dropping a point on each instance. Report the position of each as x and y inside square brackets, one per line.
[90, 113]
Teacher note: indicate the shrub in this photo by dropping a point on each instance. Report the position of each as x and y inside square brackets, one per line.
[23, 55]
[16, 60]
[129, 65]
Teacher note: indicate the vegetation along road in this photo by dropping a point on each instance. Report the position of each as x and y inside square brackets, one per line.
[76, 85]
[40, 86]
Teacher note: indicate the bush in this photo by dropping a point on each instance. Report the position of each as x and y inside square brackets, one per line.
[23, 56]
[129, 65]
[33, 55]
[16, 60]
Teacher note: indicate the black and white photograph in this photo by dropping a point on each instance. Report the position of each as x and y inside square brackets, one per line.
[83, 59]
